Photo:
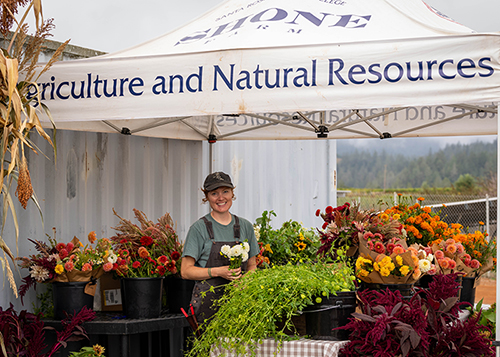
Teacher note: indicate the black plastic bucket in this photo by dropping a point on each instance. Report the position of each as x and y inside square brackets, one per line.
[468, 291]
[70, 297]
[323, 318]
[141, 297]
[406, 290]
[178, 292]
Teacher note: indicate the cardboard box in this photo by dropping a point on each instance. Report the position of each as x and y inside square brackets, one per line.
[110, 293]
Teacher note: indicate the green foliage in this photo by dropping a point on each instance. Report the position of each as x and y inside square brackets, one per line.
[290, 243]
[466, 184]
[488, 317]
[253, 305]
[45, 303]
[95, 351]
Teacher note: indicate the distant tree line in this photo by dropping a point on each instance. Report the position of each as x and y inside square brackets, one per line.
[464, 167]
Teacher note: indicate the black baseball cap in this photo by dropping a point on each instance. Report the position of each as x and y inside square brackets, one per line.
[216, 180]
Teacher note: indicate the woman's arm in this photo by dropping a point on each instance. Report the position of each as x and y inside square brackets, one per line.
[191, 272]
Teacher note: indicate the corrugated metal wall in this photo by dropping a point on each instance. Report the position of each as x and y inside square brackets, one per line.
[97, 172]
[293, 178]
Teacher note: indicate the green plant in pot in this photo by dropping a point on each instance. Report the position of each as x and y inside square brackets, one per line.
[253, 306]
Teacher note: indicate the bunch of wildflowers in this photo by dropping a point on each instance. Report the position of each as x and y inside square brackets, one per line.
[148, 250]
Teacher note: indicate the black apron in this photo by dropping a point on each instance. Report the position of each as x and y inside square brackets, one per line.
[203, 308]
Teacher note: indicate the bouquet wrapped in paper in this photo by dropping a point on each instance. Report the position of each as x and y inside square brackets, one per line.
[389, 263]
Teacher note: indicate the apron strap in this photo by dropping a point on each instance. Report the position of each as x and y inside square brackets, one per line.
[210, 229]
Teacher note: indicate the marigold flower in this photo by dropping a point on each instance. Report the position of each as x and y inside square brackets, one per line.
[420, 199]
[59, 269]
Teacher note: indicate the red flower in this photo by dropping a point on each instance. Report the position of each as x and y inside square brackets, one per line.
[63, 253]
[324, 225]
[329, 209]
[161, 270]
[136, 264]
[379, 247]
[162, 259]
[69, 247]
[69, 266]
[170, 266]
[124, 253]
[146, 241]
[175, 255]
[60, 246]
[318, 211]
[124, 241]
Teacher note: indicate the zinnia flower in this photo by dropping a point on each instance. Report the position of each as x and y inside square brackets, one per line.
[69, 266]
[70, 246]
[451, 248]
[161, 269]
[136, 264]
[146, 241]
[143, 252]
[59, 269]
[63, 253]
[474, 264]
[92, 237]
[175, 255]
[162, 259]
[60, 246]
[452, 264]
[86, 267]
[439, 254]
[398, 250]
[107, 266]
[379, 247]
[40, 274]
[170, 266]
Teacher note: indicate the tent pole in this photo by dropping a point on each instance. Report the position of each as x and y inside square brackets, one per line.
[497, 332]
[210, 157]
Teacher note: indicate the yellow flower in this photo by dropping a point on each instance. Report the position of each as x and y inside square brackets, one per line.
[267, 247]
[98, 349]
[399, 260]
[59, 269]
[405, 269]
[397, 216]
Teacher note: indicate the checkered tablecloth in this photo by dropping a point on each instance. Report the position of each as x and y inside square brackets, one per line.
[299, 348]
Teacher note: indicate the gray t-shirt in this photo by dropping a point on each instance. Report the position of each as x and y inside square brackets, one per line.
[198, 243]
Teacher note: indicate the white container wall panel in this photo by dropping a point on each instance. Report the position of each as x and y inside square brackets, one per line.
[95, 173]
[292, 178]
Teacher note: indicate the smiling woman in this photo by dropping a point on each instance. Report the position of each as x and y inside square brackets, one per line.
[202, 259]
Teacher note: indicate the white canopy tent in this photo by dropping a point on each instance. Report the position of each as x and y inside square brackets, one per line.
[290, 69]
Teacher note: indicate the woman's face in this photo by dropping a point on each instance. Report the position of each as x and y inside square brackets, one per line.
[221, 199]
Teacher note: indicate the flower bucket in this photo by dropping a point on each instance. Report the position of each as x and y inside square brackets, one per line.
[406, 290]
[70, 297]
[323, 318]
[178, 292]
[468, 291]
[141, 297]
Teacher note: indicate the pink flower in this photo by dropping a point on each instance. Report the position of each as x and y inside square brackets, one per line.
[439, 254]
[368, 235]
[452, 248]
[370, 244]
[432, 270]
[450, 241]
[69, 266]
[452, 264]
[467, 259]
[443, 263]
[460, 248]
[86, 267]
[398, 249]
[390, 247]
[428, 250]
[107, 267]
[378, 235]
[70, 247]
[474, 264]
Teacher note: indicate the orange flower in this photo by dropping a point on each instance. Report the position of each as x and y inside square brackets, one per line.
[143, 252]
[92, 237]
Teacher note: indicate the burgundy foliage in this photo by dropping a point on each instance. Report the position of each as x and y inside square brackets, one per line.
[427, 325]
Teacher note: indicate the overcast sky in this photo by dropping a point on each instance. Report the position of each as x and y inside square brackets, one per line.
[112, 25]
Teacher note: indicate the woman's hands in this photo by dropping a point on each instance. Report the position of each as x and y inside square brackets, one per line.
[226, 273]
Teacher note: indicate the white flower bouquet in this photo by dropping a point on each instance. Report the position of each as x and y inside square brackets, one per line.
[236, 254]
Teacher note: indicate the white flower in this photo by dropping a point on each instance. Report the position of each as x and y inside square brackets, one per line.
[226, 250]
[430, 257]
[246, 247]
[256, 230]
[424, 265]
[112, 258]
[236, 250]
[40, 274]
[244, 256]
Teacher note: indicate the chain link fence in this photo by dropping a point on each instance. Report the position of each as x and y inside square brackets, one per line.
[467, 210]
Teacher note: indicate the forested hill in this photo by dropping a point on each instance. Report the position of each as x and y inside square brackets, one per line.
[365, 168]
